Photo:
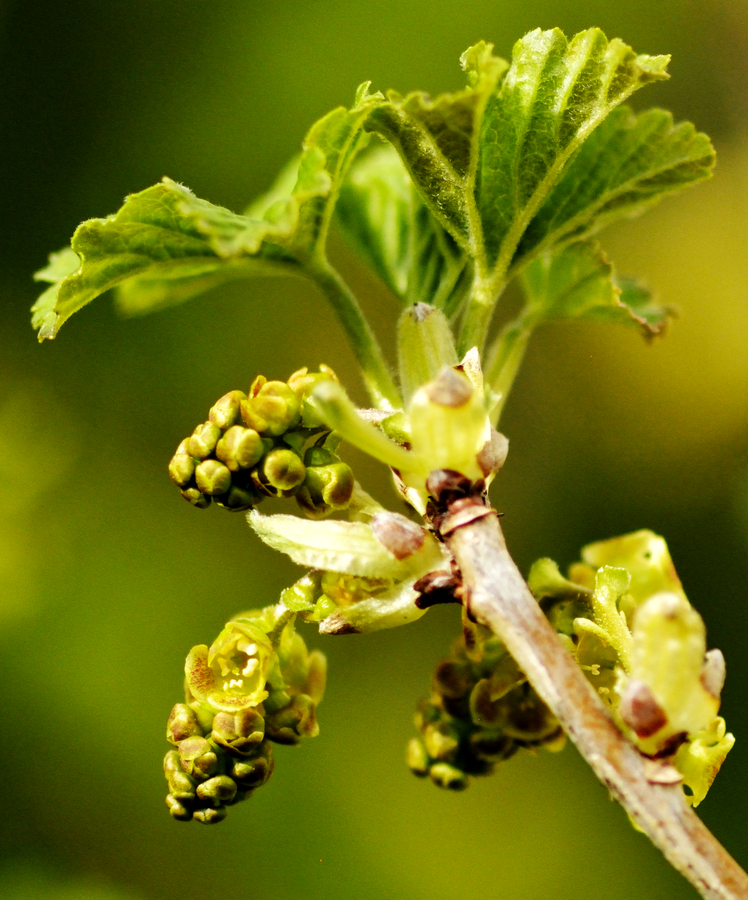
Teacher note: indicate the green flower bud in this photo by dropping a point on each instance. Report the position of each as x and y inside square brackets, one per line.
[272, 408]
[210, 816]
[526, 718]
[182, 724]
[182, 465]
[445, 776]
[700, 760]
[416, 758]
[316, 676]
[442, 740]
[303, 594]
[453, 679]
[203, 441]
[178, 810]
[238, 499]
[219, 790]
[238, 733]
[198, 758]
[226, 412]
[252, 773]
[326, 488]
[293, 722]
[181, 786]
[492, 746]
[231, 675]
[281, 470]
[302, 383]
[195, 496]
[240, 448]
[212, 477]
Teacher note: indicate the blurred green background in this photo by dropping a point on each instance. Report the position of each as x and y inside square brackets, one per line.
[107, 577]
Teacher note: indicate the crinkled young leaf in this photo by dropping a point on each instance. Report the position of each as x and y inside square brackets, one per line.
[385, 219]
[485, 159]
[553, 97]
[578, 283]
[165, 244]
[437, 139]
[626, 166]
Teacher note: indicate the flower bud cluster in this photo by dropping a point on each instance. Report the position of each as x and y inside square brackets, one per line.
[217, 768]
[256, 685]
[253, 446]
[625, 617]
[481, 711]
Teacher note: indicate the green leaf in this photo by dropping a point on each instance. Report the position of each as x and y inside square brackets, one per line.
[486, 158]
[623, 169]
[166, 245]
[437, 139]
[578, 283]
[575, 282]
[384, 217]
[553, 97]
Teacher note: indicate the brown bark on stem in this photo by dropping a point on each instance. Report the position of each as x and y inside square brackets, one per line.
[500, 599]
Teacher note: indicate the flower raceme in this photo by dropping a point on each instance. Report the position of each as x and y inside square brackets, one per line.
[257, 684]
[253, 446]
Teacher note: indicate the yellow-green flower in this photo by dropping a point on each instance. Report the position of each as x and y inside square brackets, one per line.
[231, 674]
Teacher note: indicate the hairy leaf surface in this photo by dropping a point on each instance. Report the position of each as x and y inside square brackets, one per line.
[578, 282]
[437, 139]
[166, 245]
[385, 219]
[554, 96]
[487, 159]
[623, 169]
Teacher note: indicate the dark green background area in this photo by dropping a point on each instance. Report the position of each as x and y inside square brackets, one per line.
[107, 577]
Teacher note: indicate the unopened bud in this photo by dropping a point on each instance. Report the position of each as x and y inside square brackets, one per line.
[178, 810]
[212, 477]
[416, 758]
[210, 816]
[240, 448]
[302, 383]
[271, 410]
[220, 789]
[238, 499]
[491, 746]
[203, 441]
[293, 722]
[453, 679]
[238, 733]
[182, 465]
[196, 497]
[254, 772]
[182, 724]
[283, 470]
[442, 741]
[181, 786]
[225, 412]
[198, 758]
[326, 488]
[445, 776]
